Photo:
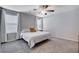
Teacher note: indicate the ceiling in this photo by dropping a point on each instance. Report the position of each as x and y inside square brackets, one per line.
[30, 8]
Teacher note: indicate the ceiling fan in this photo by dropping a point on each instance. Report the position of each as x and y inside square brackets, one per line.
[44, 8]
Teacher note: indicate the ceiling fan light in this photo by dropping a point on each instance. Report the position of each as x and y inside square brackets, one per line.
[45, 13]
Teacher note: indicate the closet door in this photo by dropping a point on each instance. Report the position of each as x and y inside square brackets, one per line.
[11, 25]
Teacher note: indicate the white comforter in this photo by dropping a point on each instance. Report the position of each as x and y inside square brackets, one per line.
[34, 37]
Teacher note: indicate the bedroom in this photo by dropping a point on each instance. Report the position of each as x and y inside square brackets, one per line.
[61, 24]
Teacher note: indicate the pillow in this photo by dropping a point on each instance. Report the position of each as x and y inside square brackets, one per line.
[32, 29]
[25, 30]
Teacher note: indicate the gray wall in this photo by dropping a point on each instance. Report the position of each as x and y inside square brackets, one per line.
[27, 21]
[63, 25]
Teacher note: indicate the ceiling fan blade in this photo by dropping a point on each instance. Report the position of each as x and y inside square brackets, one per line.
[50, 10]
[43, 6]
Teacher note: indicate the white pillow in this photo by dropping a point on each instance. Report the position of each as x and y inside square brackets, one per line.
[25, 30]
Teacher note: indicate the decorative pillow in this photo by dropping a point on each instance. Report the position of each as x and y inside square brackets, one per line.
[32, 30]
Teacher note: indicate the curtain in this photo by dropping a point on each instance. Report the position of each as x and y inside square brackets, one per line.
[11, 23]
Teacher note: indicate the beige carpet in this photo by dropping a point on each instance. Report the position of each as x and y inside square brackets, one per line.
[56, 46]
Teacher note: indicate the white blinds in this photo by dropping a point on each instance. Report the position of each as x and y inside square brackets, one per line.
[11, 23]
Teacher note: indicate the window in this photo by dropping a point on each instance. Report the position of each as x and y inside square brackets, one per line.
[11, 23]
[39, 23]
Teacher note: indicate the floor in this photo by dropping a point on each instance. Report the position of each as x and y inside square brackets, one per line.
[49, 46]
[18, 46]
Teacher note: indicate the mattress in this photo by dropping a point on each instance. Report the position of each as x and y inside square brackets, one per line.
[34, 37]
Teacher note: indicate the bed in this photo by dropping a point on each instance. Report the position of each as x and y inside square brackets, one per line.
[34, 37]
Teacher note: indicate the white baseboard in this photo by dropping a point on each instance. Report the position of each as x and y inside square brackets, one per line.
[76, 40]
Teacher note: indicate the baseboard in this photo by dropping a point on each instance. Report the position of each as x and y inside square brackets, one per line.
[65, 39]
